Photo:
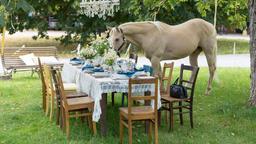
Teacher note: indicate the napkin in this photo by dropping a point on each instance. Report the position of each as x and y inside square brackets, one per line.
[148, 69]
[76, 60]
[87, 66]
[98, 69]
[127, 73]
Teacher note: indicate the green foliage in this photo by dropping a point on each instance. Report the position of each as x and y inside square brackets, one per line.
[2, 15]
[100, 45]
[9, 9]
[78, 27]
[231, 13]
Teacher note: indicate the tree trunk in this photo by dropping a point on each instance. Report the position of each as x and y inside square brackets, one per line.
[252, 16]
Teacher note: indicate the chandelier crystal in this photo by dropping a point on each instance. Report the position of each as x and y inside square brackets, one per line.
[100, 8]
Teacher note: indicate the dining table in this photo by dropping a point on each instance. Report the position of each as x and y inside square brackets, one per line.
[97, 85]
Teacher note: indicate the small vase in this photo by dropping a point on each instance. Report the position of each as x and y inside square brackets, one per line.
[111, 69]
[88, 61]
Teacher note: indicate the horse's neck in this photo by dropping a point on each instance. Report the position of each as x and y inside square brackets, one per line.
[137, 28]
[137, 32]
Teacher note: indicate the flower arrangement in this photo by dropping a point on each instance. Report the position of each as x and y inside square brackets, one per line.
[100, 45]
[88, 52]
[109, 57]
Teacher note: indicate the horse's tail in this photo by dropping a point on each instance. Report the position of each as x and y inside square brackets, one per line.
[215, 53]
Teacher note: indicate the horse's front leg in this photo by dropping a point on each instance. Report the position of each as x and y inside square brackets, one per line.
[155, 61]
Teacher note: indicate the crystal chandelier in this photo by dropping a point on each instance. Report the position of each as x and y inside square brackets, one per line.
[100, 8]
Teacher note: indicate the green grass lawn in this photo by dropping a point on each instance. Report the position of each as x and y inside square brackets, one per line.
[225, 46]
[223, 117]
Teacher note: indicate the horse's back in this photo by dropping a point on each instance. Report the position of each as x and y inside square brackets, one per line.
[203, 30]
[199, 27]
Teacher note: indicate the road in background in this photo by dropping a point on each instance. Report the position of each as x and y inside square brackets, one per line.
[237, 60]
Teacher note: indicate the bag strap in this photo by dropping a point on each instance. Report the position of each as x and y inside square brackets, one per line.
[176, 81]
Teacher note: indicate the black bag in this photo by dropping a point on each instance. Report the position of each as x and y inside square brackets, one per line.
[178, 91]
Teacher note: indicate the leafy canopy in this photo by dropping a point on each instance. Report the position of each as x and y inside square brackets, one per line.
[79, 28]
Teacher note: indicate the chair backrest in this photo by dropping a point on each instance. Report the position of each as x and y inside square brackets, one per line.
[189, 80]
[55, 82]
[41, 75]
[142, 81]
[61, 87]
[48, 80]
[166, 77]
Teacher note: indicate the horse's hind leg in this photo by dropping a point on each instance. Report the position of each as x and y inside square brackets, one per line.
[193, 57]
[193, 60]
[211, 55]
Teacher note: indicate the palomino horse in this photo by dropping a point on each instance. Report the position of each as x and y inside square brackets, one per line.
[161, 41]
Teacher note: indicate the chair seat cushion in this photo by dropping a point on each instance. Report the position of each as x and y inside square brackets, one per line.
[140, 110]
[79, 101]
[172, 99]
[47, 60]
[28, 58]
[69, 86]
[73, 94]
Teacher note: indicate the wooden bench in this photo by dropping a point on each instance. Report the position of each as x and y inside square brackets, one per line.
[12, 62]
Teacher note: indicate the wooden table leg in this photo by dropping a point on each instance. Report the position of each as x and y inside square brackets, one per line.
[147, 103]
[103, 117]
[159, 117]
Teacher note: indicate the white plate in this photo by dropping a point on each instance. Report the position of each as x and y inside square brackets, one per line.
[101, 74]
[119, 76]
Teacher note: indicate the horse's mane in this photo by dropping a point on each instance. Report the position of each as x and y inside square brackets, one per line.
[140, 27]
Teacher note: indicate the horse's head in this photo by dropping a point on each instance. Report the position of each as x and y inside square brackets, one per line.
[116, 39]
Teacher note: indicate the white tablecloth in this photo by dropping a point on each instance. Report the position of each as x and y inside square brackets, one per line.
[96, 86]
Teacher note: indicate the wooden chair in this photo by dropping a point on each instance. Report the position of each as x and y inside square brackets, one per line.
[186, 103]
[71, 87]
[69, 94]
[165, 84]
[43, 85]
[50, 92]
[166, 78]
[131, 56]
[83, 105]
[139, 113]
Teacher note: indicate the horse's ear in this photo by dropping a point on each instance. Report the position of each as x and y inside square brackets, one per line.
[109, 28]
[121, 30]
[117, 29]
[108, 31]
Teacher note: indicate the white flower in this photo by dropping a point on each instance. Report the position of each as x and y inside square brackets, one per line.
[110, 56]
[88, 53]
